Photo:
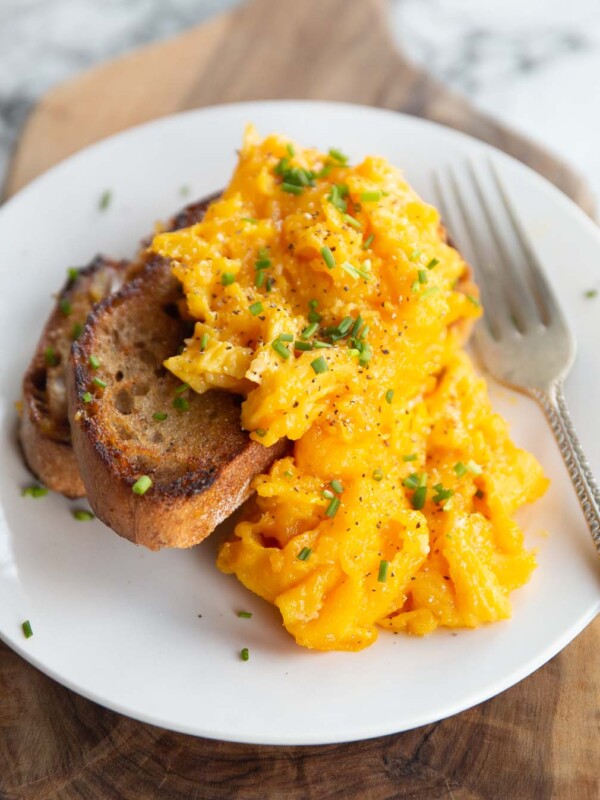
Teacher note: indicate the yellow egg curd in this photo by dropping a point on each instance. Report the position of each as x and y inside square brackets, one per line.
[326, 294]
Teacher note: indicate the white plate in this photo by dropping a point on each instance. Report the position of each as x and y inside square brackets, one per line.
[120, 625]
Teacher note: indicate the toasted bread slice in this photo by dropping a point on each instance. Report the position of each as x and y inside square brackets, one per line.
[44, 426]
[199, 459]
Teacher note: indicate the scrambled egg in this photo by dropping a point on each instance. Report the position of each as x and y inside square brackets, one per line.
[327, 296]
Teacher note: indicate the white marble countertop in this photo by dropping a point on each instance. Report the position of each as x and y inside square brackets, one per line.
[534, 65]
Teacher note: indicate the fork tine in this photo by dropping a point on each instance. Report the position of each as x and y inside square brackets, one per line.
[455, 213]
[523, 308]
[540, 288]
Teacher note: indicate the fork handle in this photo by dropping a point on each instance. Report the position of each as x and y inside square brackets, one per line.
[588, 493]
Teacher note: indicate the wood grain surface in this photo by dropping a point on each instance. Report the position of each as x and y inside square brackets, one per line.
[536, 741]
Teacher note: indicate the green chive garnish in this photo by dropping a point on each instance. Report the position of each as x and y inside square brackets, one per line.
[105, 199]
[410, 457]
[370, 197]
[203, 342]
[472, 299]
[327, 494]
[366, 354]
[76, 331]
[433, 263]
[99, 382]
[94, 362]
[377, 474]
[290, 149]
[288, 474]
[313, 314]
[309, 330]
[73, 273]
[328, 257]
[355, 271]
[383, 569]
[183, 388]
[338, 156]
[368, 242]
[227, 278]
[337, 486]
[318, 345]
[304, 346]
[34, 491]
[82, 515]
[414, 255]
[142, 485]
[304, 554]
[355, 223]
[473, 467]
[418, 498]
[591, 293]
[336, 196]
[256, 308]
[423, 276]
[319, 365]
[159, 416]
[26, 628]
[460, 469]
[332, 508]
[280, 348]
[356, 327]
[50, 357]
[244, 614]
[244, 654]
[250, 220]
[260, 432]
[429, 292]
[286, 337]
[412, 481]
[389, 396]
[87, 397]
[65, 306]
[292, 188]
[181, 403]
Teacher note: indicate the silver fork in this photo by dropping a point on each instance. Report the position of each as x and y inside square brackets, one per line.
[523, 340]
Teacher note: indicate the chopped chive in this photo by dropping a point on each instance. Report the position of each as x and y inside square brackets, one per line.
[76, 331]
[280, 349]
[50, 357]
[356, 327]
[318, 345]
[34, 491]
[244, 654]
[286, 337]
[369, 197]
[72, 273]
[328, 257]
[183, 388]
[364, 331]
[319, 365]
[383, 569]
[87, 397]
[337, 486]
[338, 156]
[447, 505]
[410, 457]
[355, 271]
[259, 279]
[419, 497]
[304, 554]
[429, 292]
[365, 354]
[65, 306]
[355, 223]
[415, 286]
[313, 314]
[336, 197]
[227, 278]
[332, 508]
[304, 346]
[181, 403]
[324, 171]
[472, 299]
[159, 416]
[141, 486]
[423, 276]
[368, 241]
[26, 628]
[99, 382]
[290, 150]
[309, 330]
[263, 252]
[245, 614]
[292, 188]
[414, 255]
[412, 481]
[591, 293]
[105, 199]
[389, 395]
[250, 220]
[203, 342]
[345, 325]
[263, 263]
[327, 494]
[433, 263]
[473, 467]
[260, 432]
[82, 515]
[377, 474]
[256, 308]
[288, 474]
[94, 362]
[460, 469]
[441, 493]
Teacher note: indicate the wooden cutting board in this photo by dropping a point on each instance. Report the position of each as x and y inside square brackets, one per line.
[536, 741]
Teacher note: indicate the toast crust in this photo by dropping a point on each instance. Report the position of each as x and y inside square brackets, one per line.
[200, 460]
[44, 430]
